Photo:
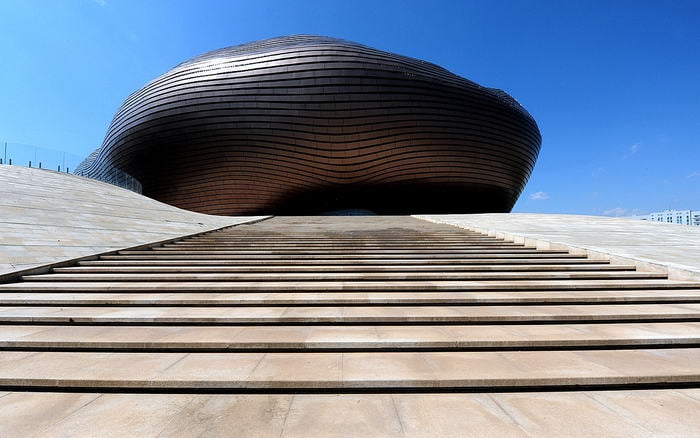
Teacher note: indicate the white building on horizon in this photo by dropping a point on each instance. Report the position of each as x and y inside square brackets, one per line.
[683, 217]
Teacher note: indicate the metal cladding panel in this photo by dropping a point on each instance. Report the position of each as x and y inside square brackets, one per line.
[307, 124]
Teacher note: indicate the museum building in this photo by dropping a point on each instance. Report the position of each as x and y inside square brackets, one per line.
[309, 124]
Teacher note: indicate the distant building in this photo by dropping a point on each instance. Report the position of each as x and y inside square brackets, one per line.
[683, 217]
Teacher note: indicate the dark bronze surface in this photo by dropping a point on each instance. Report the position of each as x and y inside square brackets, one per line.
[307, 124]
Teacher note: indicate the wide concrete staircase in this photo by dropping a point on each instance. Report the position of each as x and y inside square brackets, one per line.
[347, 304]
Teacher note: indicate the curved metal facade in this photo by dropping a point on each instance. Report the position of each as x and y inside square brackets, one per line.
[307, 124]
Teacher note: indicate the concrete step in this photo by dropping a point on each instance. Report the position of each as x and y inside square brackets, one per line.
[105, 269]
[422, 258]
[244, 232]
[165, 298]
[351, 315]
[341, 241]
[614, 413]
[356, 286]
[322, 264]
[347, 370]
[347, 248]
[239, 234]
[240, 238]
[382, 304]
[350, 276]
[345, 238]
[386, 337]
[338, 245]
[259, 251]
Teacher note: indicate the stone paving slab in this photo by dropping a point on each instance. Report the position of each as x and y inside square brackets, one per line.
[364, 286]
[321, 263]
[672, 248]
[350, 337]
[48, 216]
[350, 314]
[341, 252]
[309, 340]
[341, 264]
[345, 276]
[344, 268]
[457, 244]
[467, 370]
[164, 298]
[645, 413]
[352, 258]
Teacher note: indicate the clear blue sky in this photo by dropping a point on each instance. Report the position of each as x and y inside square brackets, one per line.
[614, 85]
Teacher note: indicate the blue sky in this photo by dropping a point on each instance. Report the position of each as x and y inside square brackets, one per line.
[614, 85]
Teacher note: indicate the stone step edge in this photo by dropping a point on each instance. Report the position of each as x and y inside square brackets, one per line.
[335, 302]
[674, 271]
[14, 276]
[358, 370]
[347, 286]
[350, 346]
[396, 320]
[154, 269]
[346, 276]
[320, 263]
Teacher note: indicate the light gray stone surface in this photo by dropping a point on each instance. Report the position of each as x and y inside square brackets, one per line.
[647, 413]
[670, 248]
[147, 338]
[47, 216]
[290, 360]
[358, 370]
[347, 286]
[349, 314]
[282, 298]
